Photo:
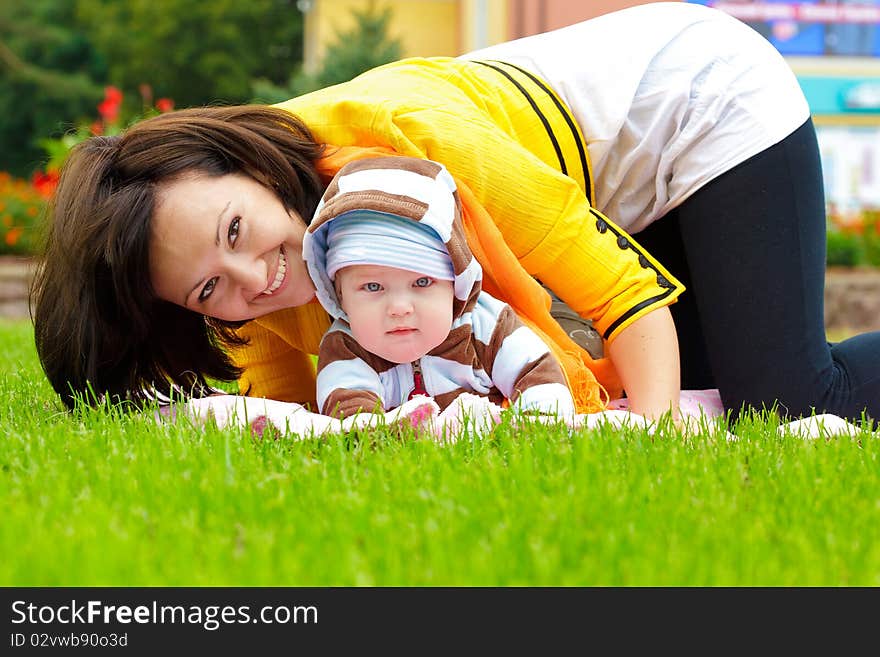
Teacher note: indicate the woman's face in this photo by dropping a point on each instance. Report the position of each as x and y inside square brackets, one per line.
[226, 247]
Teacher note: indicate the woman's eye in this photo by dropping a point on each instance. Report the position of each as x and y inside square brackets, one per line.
[206, 291]
[372, 287]
[233, 230]
[424, 281]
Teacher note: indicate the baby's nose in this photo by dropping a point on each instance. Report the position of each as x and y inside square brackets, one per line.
[400, 305]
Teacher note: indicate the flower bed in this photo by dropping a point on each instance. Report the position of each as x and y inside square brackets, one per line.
[22, 204]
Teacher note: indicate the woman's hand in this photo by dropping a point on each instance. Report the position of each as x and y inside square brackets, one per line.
[645, 355]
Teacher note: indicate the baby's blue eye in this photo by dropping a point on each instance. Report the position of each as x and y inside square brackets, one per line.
[372, 287]
[424, 281]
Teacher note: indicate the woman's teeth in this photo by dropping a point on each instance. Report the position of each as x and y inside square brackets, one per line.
[279, 275]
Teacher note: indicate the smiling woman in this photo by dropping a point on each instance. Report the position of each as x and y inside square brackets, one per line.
[226, 246]
[193, 210]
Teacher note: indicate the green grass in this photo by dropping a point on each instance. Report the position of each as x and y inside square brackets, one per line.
[104, 499]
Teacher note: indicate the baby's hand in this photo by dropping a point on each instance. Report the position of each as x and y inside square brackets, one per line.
[416, 415]
[469, 414]
[422, 415]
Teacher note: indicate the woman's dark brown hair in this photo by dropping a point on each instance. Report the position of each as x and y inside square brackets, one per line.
[100, 331]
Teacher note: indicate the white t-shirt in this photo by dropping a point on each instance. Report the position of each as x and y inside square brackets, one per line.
[668, 95]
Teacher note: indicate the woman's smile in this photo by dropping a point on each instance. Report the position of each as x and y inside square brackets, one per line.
[279, 278]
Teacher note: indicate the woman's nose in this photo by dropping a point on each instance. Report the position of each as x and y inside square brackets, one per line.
[248, 274]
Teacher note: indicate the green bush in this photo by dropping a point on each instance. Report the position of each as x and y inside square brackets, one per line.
[871, 238]
[844, 249]
[854, 243]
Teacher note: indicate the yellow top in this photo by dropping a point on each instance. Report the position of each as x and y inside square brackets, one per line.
[506, 138]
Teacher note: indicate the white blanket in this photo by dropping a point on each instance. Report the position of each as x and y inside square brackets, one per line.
[469, 415]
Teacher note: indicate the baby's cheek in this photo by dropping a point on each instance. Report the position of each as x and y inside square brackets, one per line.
[367, 333]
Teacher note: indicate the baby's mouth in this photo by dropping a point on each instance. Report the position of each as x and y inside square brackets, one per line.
[403, 330]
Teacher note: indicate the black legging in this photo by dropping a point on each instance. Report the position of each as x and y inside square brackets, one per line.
[750, 247]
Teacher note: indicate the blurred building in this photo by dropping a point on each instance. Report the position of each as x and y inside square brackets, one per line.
[833, 46]
[448, 27]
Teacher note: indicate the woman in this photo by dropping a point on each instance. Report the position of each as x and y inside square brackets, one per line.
[678, 122]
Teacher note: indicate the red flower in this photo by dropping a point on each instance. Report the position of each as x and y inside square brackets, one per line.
[108, 111]
[45, 182]
[109, 107]
[113, 94]
[164, 105]
[13, 235]
[97, 127]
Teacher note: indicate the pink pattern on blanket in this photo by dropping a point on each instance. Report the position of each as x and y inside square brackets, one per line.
[692, 403]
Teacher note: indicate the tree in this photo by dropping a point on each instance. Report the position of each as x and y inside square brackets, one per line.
[48, 74]
[56, 57]
[193, 51]
[353, 51]
[365, 46]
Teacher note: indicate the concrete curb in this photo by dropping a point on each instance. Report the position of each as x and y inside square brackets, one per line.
[15, 278]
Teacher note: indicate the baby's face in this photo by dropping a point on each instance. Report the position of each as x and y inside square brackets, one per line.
[397, 314]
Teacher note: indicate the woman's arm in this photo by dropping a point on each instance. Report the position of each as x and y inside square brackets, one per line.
[645, 354]
[273, 368]
[277, 358]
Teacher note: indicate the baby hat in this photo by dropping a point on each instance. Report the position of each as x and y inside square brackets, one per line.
[368, 237]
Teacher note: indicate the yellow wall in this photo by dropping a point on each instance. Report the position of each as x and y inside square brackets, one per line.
[424, 27]
[483, 23]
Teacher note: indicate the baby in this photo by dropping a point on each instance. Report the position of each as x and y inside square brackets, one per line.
[388, 256]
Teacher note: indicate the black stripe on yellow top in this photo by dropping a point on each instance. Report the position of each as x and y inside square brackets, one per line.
[569, 121]
[583, 160]
[624, 242]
